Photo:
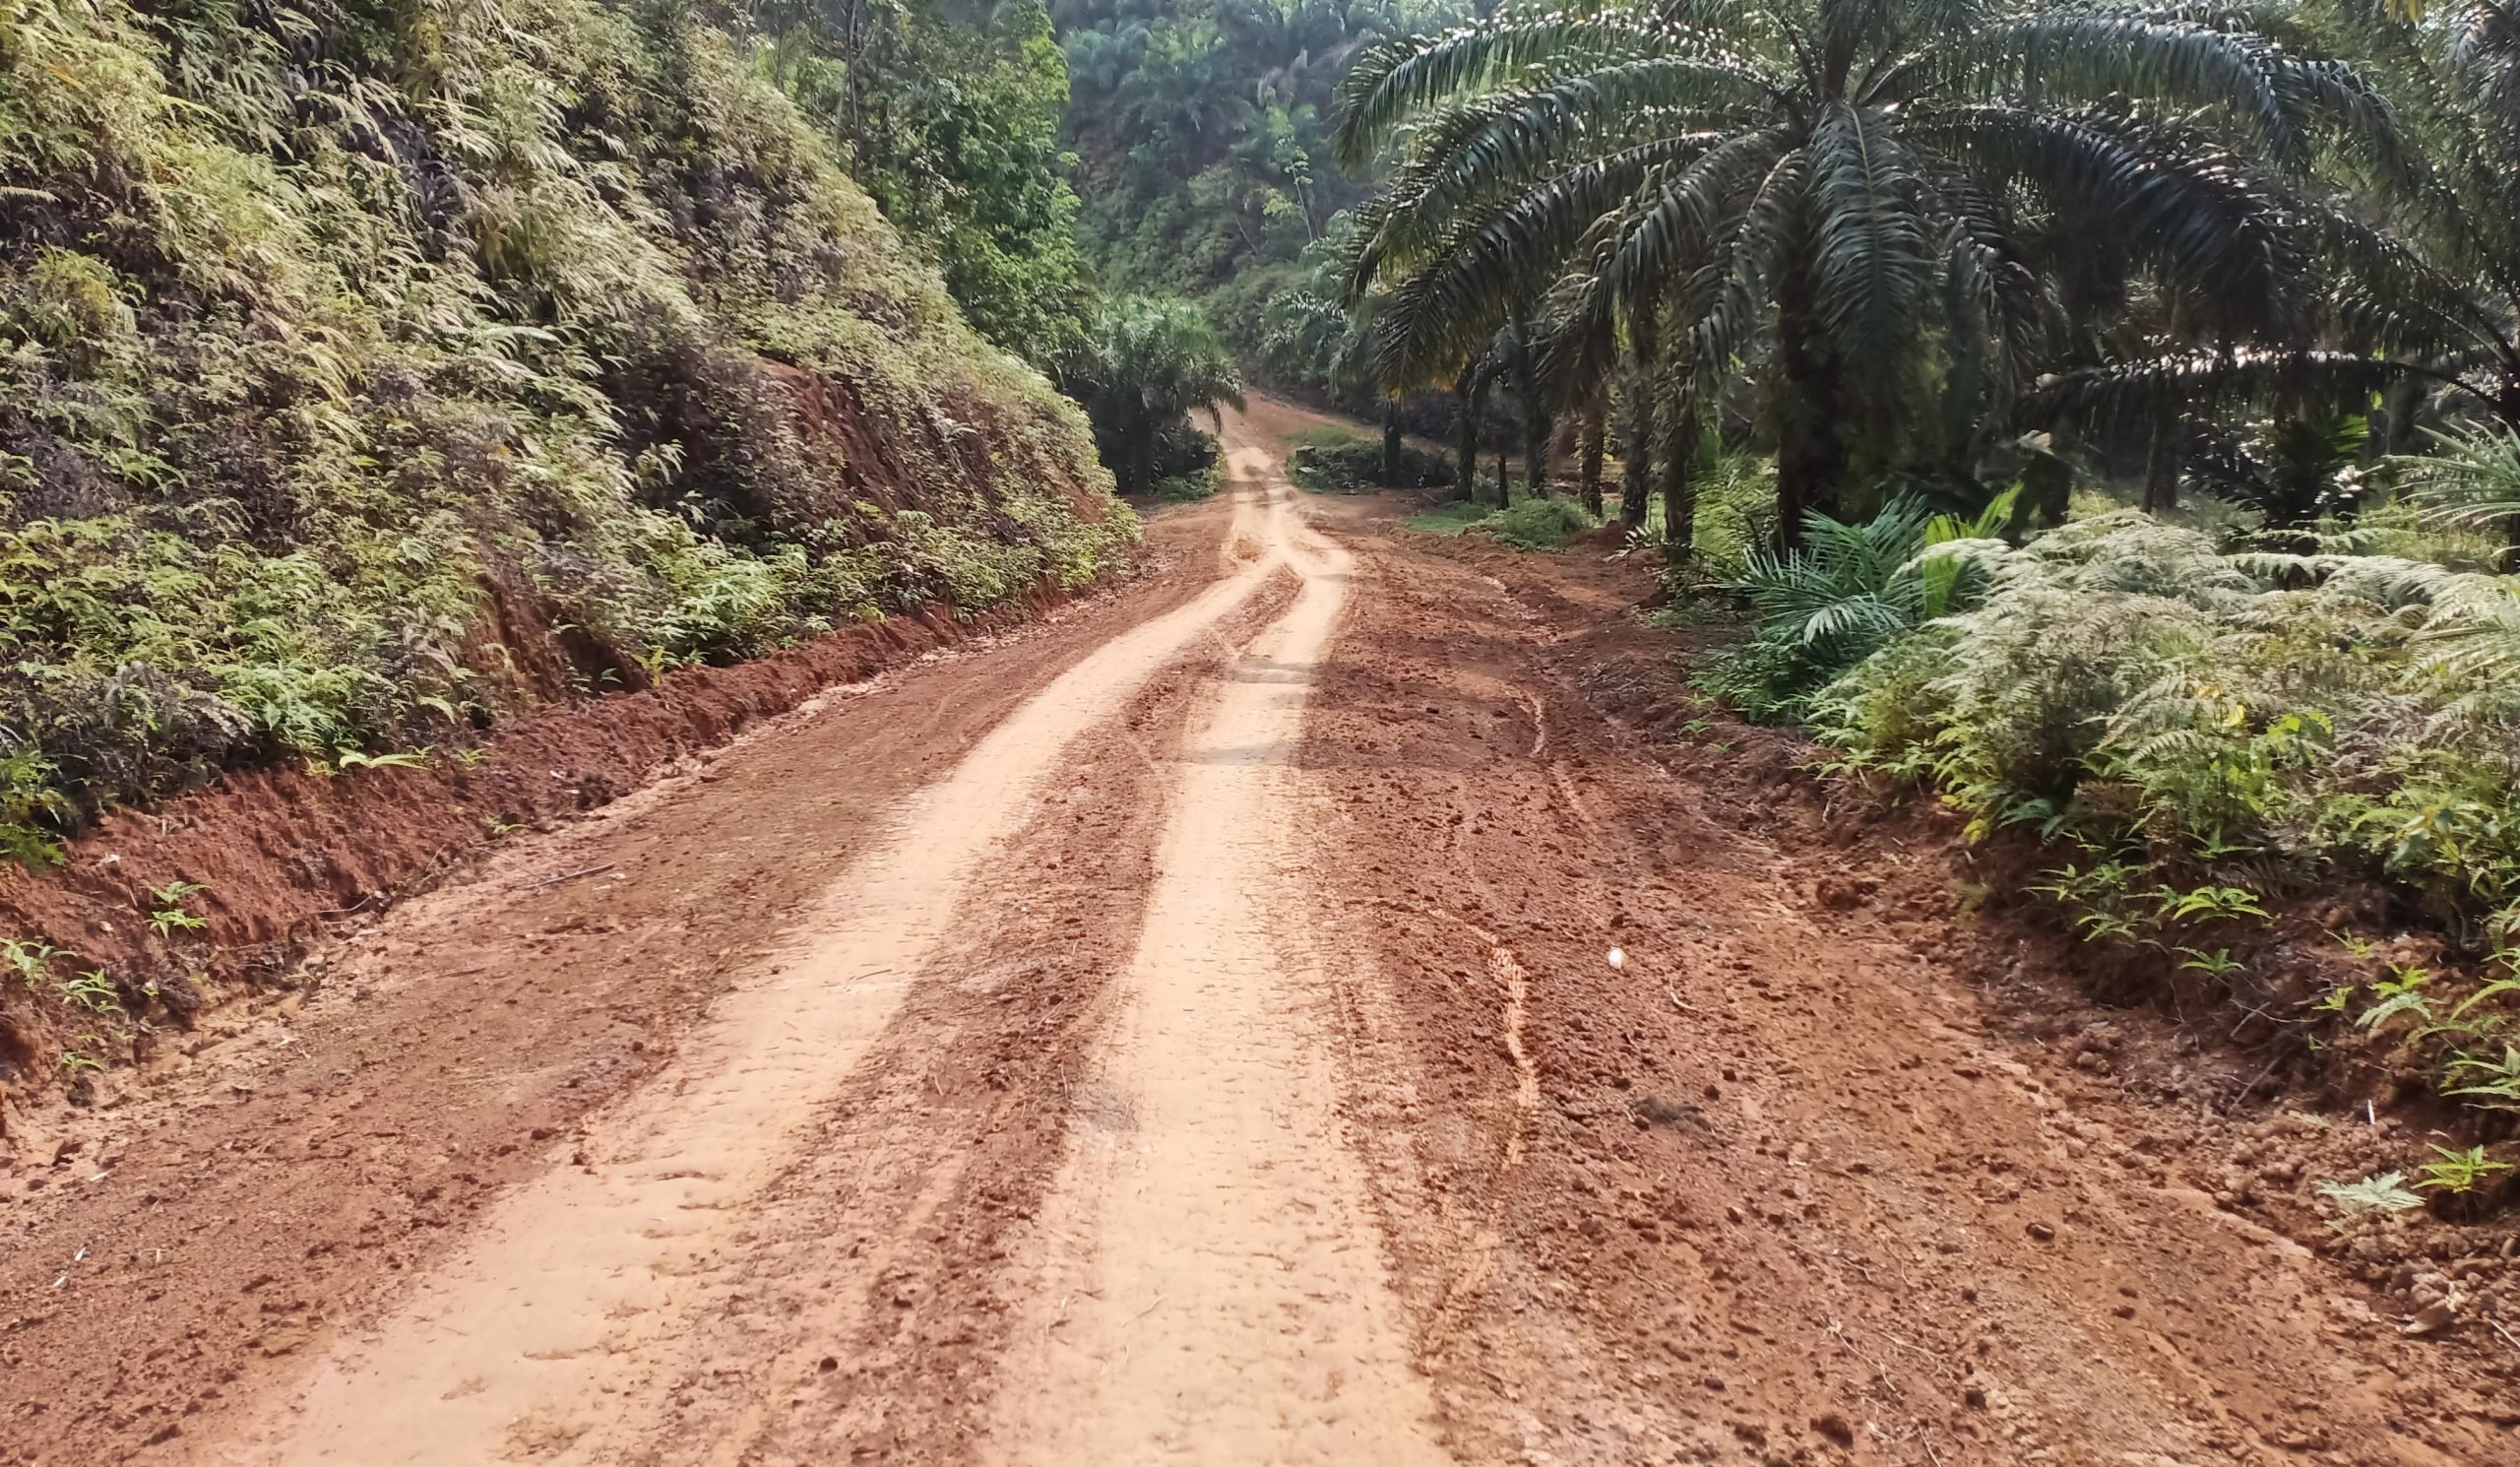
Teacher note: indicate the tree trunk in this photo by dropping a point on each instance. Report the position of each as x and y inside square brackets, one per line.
[1636, 470]
[1811, 456]
[1504, 487]
[1137, 464]
[2398, 414]
[2161, 461]
[1592, 450]
[1537, 432]
[1391, 441]
[1470, 401]
[1680, 483]
[2507, 407]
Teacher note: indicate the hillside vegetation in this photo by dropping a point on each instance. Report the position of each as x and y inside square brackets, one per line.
[370, 371]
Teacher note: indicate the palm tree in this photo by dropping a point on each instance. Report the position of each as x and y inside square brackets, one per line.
[1832, 189]
[1309, 337]
[1592, 447]
[1148, 363]
[2441, 292]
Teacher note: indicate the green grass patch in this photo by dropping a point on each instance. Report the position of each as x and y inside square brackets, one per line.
[1540, 524]
[1327, 436]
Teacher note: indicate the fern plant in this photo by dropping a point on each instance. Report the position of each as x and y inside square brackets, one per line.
[2376, 1195]
[1849, 590]
[2127, 678]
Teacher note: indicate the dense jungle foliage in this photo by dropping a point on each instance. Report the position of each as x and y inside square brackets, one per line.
[1202, 130]
[369, 371]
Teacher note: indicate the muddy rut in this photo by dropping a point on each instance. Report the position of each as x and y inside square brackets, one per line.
[1185, 1031]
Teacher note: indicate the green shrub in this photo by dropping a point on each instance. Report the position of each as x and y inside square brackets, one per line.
[1533, 524]
[2123, 680]
[1736, 514]
[1189, 489]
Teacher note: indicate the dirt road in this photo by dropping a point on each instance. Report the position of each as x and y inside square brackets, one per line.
[1186, 1031]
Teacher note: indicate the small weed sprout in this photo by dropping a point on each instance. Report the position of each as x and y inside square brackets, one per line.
[93, 992]
[2491, 1083]
[25, 958]
[2207, 904]
[2399, 993]
[2492, 989]
[2218, 964]
[170, 916]
[346, 758]
[2457, 1173]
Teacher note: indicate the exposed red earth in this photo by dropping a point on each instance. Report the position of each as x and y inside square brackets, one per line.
[1186, 1027]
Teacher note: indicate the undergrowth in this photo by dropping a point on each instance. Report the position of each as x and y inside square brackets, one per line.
[1536, 524]
[1335, 461]
[2195, 734]
[359, 363]
[1851, 590]
[1449, 517]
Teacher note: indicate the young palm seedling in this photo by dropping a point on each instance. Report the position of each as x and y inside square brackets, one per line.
[24, 958]
[170, 914]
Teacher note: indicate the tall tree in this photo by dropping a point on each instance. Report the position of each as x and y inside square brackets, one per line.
[1145, 366]
[1830, 189]
[950, 112]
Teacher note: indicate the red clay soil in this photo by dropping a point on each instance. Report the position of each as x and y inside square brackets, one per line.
[1830, 1166]
[1826, 1168]
[284, 857]
[190, 1227]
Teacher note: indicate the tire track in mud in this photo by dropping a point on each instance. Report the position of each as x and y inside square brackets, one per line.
[1478, 1268]
[872, 1302]
[550, 1333]
[1208, 1284]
